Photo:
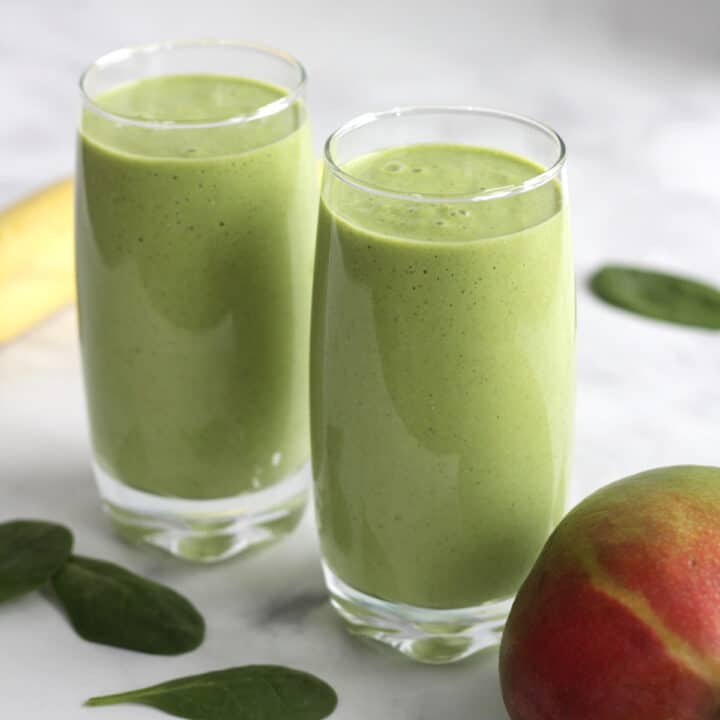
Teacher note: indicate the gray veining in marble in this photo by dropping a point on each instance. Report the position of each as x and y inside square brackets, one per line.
[634, 87]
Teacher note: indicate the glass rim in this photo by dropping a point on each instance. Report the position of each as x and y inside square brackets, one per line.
[495, 193]
[121, 55]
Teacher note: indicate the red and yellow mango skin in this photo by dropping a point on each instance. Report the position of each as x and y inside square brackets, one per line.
[619, 618]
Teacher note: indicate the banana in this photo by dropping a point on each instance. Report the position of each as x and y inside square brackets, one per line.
[37, 274]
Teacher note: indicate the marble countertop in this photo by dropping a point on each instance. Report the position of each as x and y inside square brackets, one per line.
[634, 91]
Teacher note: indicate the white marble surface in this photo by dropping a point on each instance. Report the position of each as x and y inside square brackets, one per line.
[635, 90]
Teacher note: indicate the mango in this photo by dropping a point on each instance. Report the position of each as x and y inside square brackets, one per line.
[619, 618]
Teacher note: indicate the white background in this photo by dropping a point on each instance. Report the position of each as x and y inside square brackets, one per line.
[634, 88]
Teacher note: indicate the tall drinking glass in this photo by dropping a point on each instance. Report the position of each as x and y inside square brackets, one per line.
[442, 370]
[196, 215]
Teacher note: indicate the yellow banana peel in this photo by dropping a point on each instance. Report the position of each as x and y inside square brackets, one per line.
[37, 274]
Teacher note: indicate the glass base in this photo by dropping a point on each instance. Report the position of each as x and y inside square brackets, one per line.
[205, 531]
[425, 635]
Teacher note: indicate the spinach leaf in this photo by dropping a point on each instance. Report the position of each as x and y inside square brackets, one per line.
[31, 552]
[658, 295]
[253, 692]
[110, 605]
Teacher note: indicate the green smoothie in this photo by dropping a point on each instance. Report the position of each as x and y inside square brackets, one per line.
[194, 262]
[442, 375]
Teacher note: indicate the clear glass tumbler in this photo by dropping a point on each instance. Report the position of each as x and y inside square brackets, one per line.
[196, 209]
[442, 370]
